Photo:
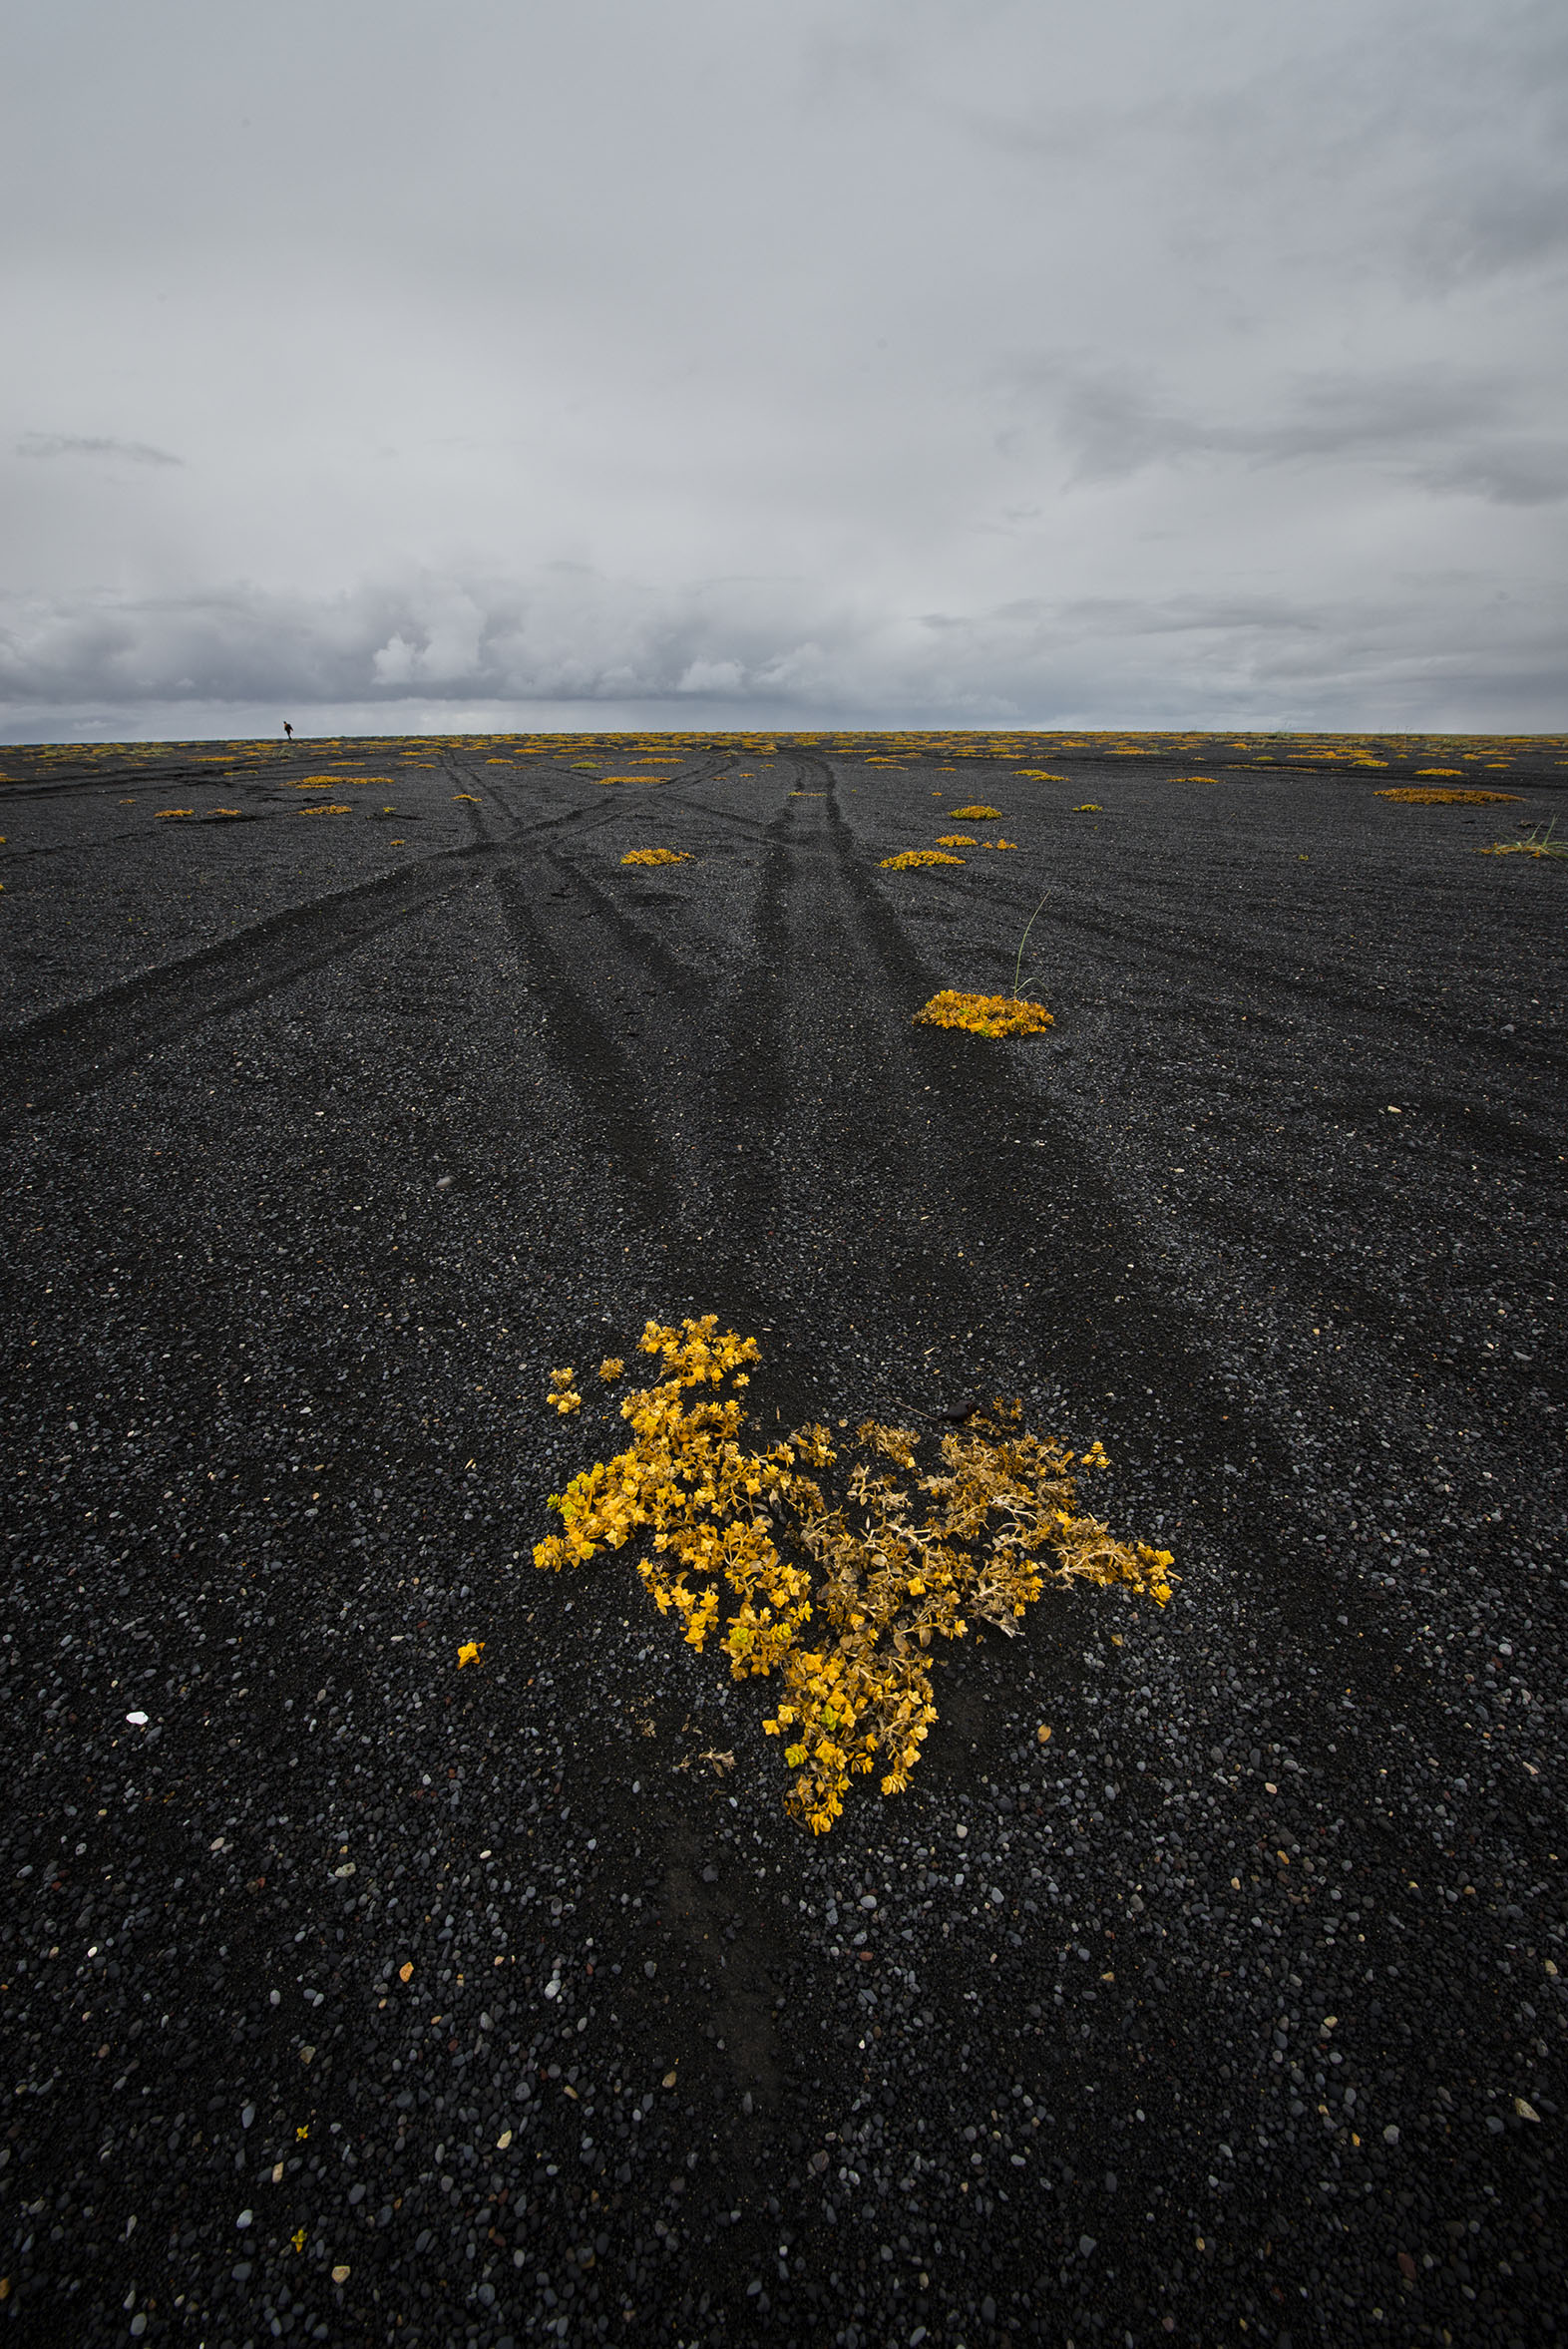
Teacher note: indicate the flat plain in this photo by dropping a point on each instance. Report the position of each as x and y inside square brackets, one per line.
[355, 1992]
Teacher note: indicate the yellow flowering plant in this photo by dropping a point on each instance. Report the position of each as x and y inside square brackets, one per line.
[657, 855]
[844, 1597]
[994, 1015]
[910, 860]
[1414, 797]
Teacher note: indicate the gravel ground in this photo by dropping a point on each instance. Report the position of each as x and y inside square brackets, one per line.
[349, 1995]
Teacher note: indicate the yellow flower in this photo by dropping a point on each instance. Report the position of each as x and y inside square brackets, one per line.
[611, 1366]
[468, 1653]
[990, 1016]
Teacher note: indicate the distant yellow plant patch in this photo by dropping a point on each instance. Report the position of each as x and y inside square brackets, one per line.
[1038, 775]
[173, 811]
[911, 859]
[1090, 807]
[317, 783]
[957, 840]
[1002, 844]
[976, 815]
[878, 1571]
[1416, 798]
[983, 1014]
[657, 855]
[341, 809]
[1460, 771]
[1195, 778]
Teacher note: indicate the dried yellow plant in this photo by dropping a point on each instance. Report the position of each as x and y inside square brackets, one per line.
[1413, 797]
[977, 815]
[657, 855]
[983, 1014]
[844, 1598]
[909, 859]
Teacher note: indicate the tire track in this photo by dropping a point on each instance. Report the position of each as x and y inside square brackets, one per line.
[65, 1053]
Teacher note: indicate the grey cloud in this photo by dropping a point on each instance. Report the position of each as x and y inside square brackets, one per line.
[1171, 362]
[757, 653]
[1448, 429]
[67, 444]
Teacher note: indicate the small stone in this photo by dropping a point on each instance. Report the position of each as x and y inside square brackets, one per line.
[340, 2274]
[1085, 2245]
[649, 1968]
[245, 2219]
[1390, 2136]
[247, 2114]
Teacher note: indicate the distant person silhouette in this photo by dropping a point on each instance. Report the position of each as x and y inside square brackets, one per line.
[289, 731]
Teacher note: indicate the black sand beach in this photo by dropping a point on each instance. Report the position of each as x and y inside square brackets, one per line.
[353, 1995]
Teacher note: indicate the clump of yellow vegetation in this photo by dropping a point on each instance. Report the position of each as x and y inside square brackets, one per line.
[338, 808]
[909, 859]
[977, 815]
[983, 1014]
[564, 1396]
[957, 840]
[1038, 775]
[842, 1597]
[1416, 797]
[1534, 842]
[657, 855]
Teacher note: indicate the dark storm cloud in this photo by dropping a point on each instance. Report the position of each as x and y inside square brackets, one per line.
[734, 650]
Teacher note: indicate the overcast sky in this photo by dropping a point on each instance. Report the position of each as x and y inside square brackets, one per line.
[404, 363]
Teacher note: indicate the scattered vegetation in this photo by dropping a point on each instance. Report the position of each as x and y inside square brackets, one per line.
[1414, 796]
[1534, 842]
[911, 859]
[657, 855]
[842, 1597]
[957, 840]
[976, 815]
[995, 1016]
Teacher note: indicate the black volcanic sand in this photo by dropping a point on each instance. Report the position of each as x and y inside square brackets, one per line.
[1237, 2005]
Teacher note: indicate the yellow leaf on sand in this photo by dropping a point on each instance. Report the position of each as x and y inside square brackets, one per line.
[405, 1973]
[468, 1653]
